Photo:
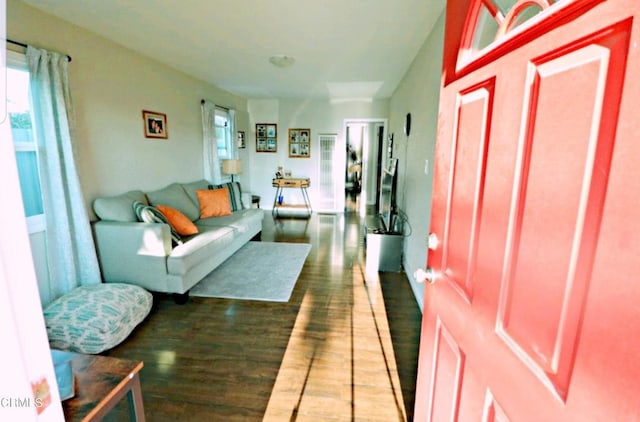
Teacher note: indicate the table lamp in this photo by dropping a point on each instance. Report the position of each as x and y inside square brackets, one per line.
[232, 167]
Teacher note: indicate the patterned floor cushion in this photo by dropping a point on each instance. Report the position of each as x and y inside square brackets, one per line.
[91, 319]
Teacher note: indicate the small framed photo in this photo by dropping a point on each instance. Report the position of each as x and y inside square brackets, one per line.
[299, 143]
[241, 141]
[266, 137]
[155, 125]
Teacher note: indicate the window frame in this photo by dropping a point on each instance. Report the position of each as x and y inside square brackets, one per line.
[35, 223]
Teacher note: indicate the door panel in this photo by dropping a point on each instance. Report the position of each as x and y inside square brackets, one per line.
[466, 186]
[328, 191]
[493, 411]
[541, 324]
[447, 375]
[534, 312]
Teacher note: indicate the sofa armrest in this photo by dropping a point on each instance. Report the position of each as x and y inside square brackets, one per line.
[132, 252]
[140, 238]
[246, 199]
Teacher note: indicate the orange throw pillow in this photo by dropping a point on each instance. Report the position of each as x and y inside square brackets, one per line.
[178, 220]
[214, 202]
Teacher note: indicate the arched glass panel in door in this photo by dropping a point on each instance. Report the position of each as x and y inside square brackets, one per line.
[492, 21]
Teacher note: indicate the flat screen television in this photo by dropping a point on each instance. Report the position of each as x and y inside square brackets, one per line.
[388, 186]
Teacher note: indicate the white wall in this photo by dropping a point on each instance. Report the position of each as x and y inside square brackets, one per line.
[244, 154]
[111, 85]
[418, 94]
[321, 116]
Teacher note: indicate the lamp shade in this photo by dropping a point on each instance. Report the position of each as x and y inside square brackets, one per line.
[231, 166]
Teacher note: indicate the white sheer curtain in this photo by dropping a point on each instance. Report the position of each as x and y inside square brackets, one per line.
[209, 143]
[71, 254]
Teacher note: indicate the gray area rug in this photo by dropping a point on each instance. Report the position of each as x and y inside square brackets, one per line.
[265, 271]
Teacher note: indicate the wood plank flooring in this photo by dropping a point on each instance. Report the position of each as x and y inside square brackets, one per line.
[341, 349]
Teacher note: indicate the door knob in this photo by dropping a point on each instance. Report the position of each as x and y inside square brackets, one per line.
[427, 275]
[433, 241]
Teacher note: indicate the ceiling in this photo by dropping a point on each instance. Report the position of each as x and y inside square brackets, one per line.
[343, 49]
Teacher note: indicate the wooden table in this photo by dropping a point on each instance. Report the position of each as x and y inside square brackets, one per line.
[101, 382]
[301, 183]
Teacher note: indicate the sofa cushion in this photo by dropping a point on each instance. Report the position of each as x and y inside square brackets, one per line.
[240, 221]
[96, 317]
[176, 197]
[120, 207]
[178, 220]
[214, 202]
[235, 195]
[150, 214]
[192, 187]
[198, 249]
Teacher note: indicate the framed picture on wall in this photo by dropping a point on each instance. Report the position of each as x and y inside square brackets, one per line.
[155, 125]
[266, 137]
[241, 141]
[299, 143]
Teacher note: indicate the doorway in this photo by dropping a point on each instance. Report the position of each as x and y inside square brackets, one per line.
[364, 141]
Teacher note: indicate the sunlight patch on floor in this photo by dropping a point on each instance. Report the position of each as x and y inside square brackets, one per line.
[341, 371]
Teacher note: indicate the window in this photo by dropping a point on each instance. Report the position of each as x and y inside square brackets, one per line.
[23, 134]
[495, 20]
[223, 133]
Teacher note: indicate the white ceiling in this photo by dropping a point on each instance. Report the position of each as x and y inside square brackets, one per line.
[343, 49]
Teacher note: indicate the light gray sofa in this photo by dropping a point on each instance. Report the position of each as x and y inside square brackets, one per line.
[141, 253]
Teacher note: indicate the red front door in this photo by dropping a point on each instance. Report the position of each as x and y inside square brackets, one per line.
[534, 313]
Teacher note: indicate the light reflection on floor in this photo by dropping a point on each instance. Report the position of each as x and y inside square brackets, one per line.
[343, 372]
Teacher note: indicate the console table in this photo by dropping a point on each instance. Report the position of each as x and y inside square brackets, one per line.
[301, 183]
[101, 382]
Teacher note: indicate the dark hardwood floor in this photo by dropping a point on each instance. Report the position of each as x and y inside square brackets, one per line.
[341, 349]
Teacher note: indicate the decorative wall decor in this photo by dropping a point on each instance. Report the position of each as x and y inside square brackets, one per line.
[266, 137]
[155, 125]
[299, 143]
[241, 141]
